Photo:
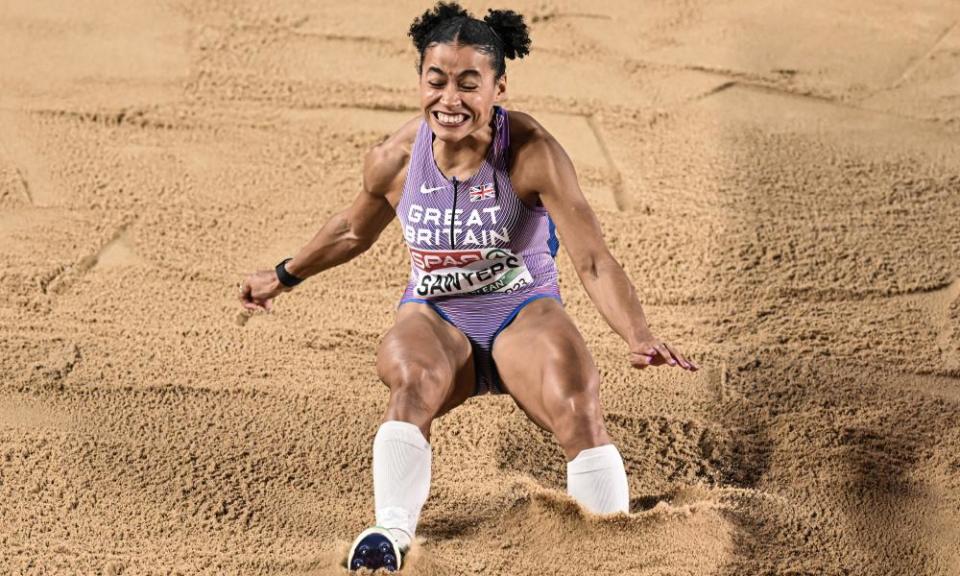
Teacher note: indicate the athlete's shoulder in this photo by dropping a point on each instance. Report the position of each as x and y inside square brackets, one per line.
[534, 152]
[384, 165]
[525, 130]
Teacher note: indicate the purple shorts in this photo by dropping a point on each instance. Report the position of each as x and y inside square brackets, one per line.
[481, 319]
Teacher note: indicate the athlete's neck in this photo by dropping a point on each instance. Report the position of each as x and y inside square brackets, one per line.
[462, 159]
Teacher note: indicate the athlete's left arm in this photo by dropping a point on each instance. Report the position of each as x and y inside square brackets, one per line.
[549, 171]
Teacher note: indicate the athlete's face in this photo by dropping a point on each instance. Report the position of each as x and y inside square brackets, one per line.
[458, 89]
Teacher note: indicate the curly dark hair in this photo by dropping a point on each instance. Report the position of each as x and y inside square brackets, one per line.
[501, 34]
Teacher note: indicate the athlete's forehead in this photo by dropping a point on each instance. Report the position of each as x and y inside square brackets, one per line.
[456, 60]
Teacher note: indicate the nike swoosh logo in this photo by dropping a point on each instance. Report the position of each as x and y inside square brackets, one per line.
[425, 190]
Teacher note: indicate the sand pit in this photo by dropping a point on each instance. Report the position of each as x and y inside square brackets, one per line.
[780, 180]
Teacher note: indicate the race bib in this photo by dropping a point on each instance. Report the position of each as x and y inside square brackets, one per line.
[477, 271]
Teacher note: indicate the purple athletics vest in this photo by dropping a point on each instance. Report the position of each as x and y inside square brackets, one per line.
[478, 255]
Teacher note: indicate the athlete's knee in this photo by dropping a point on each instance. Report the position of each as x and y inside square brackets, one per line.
[576, 417]
[577, 410]
[418, 388]
[576, 434]
[569, 369]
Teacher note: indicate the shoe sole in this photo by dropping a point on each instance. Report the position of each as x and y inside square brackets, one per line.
[373, 549]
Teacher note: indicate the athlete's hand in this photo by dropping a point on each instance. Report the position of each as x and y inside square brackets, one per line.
[258, 289]
[651, 351]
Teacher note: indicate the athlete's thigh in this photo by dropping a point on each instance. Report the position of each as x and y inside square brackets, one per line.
[422, 343]
[543, 360]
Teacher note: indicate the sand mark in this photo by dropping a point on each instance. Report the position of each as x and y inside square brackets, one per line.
[332, 37]
[720, 378]
[616, 178]
[777, 110]
[735, 75]
[829, 44]
[380, 121]
[717, 89]
[141, 117]
[333, 22]
[779, 82]
[549, 15]
[581, 137]
[763, 85]
[18, 145]
[940, 304]
[25, 186]
[927, 87]
[919, 61]
[117, 251]
[307, 57]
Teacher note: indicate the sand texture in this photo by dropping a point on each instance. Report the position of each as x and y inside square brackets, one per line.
[781, 180]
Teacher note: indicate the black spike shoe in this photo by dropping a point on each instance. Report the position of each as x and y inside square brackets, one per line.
[375, 548]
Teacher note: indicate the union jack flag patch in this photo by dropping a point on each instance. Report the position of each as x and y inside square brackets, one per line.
[482, 192]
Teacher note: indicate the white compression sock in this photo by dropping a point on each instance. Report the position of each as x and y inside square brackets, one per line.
[401, 477]
[597, 480]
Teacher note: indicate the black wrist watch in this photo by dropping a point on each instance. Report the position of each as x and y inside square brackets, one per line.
[286, 278]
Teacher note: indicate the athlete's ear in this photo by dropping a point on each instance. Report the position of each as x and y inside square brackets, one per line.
[501, 89]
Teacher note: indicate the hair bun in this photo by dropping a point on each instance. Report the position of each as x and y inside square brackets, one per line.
[512, 30]
[421, 27]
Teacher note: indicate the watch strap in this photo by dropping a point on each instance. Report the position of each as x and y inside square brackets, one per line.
[286, 278]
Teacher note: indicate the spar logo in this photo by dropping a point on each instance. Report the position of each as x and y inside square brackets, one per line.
[430, 260]
[452, 272]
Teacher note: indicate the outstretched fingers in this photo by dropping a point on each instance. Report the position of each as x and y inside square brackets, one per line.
[657, 354]
[681, 358]
[665, 354]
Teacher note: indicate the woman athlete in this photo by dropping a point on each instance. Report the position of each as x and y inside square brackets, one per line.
[480, 194]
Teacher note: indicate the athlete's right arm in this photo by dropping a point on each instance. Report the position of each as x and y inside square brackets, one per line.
[347, 234]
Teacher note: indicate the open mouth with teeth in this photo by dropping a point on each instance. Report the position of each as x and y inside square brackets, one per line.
[450, 120]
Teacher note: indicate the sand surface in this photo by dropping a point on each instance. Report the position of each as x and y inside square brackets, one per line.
[781, 180]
